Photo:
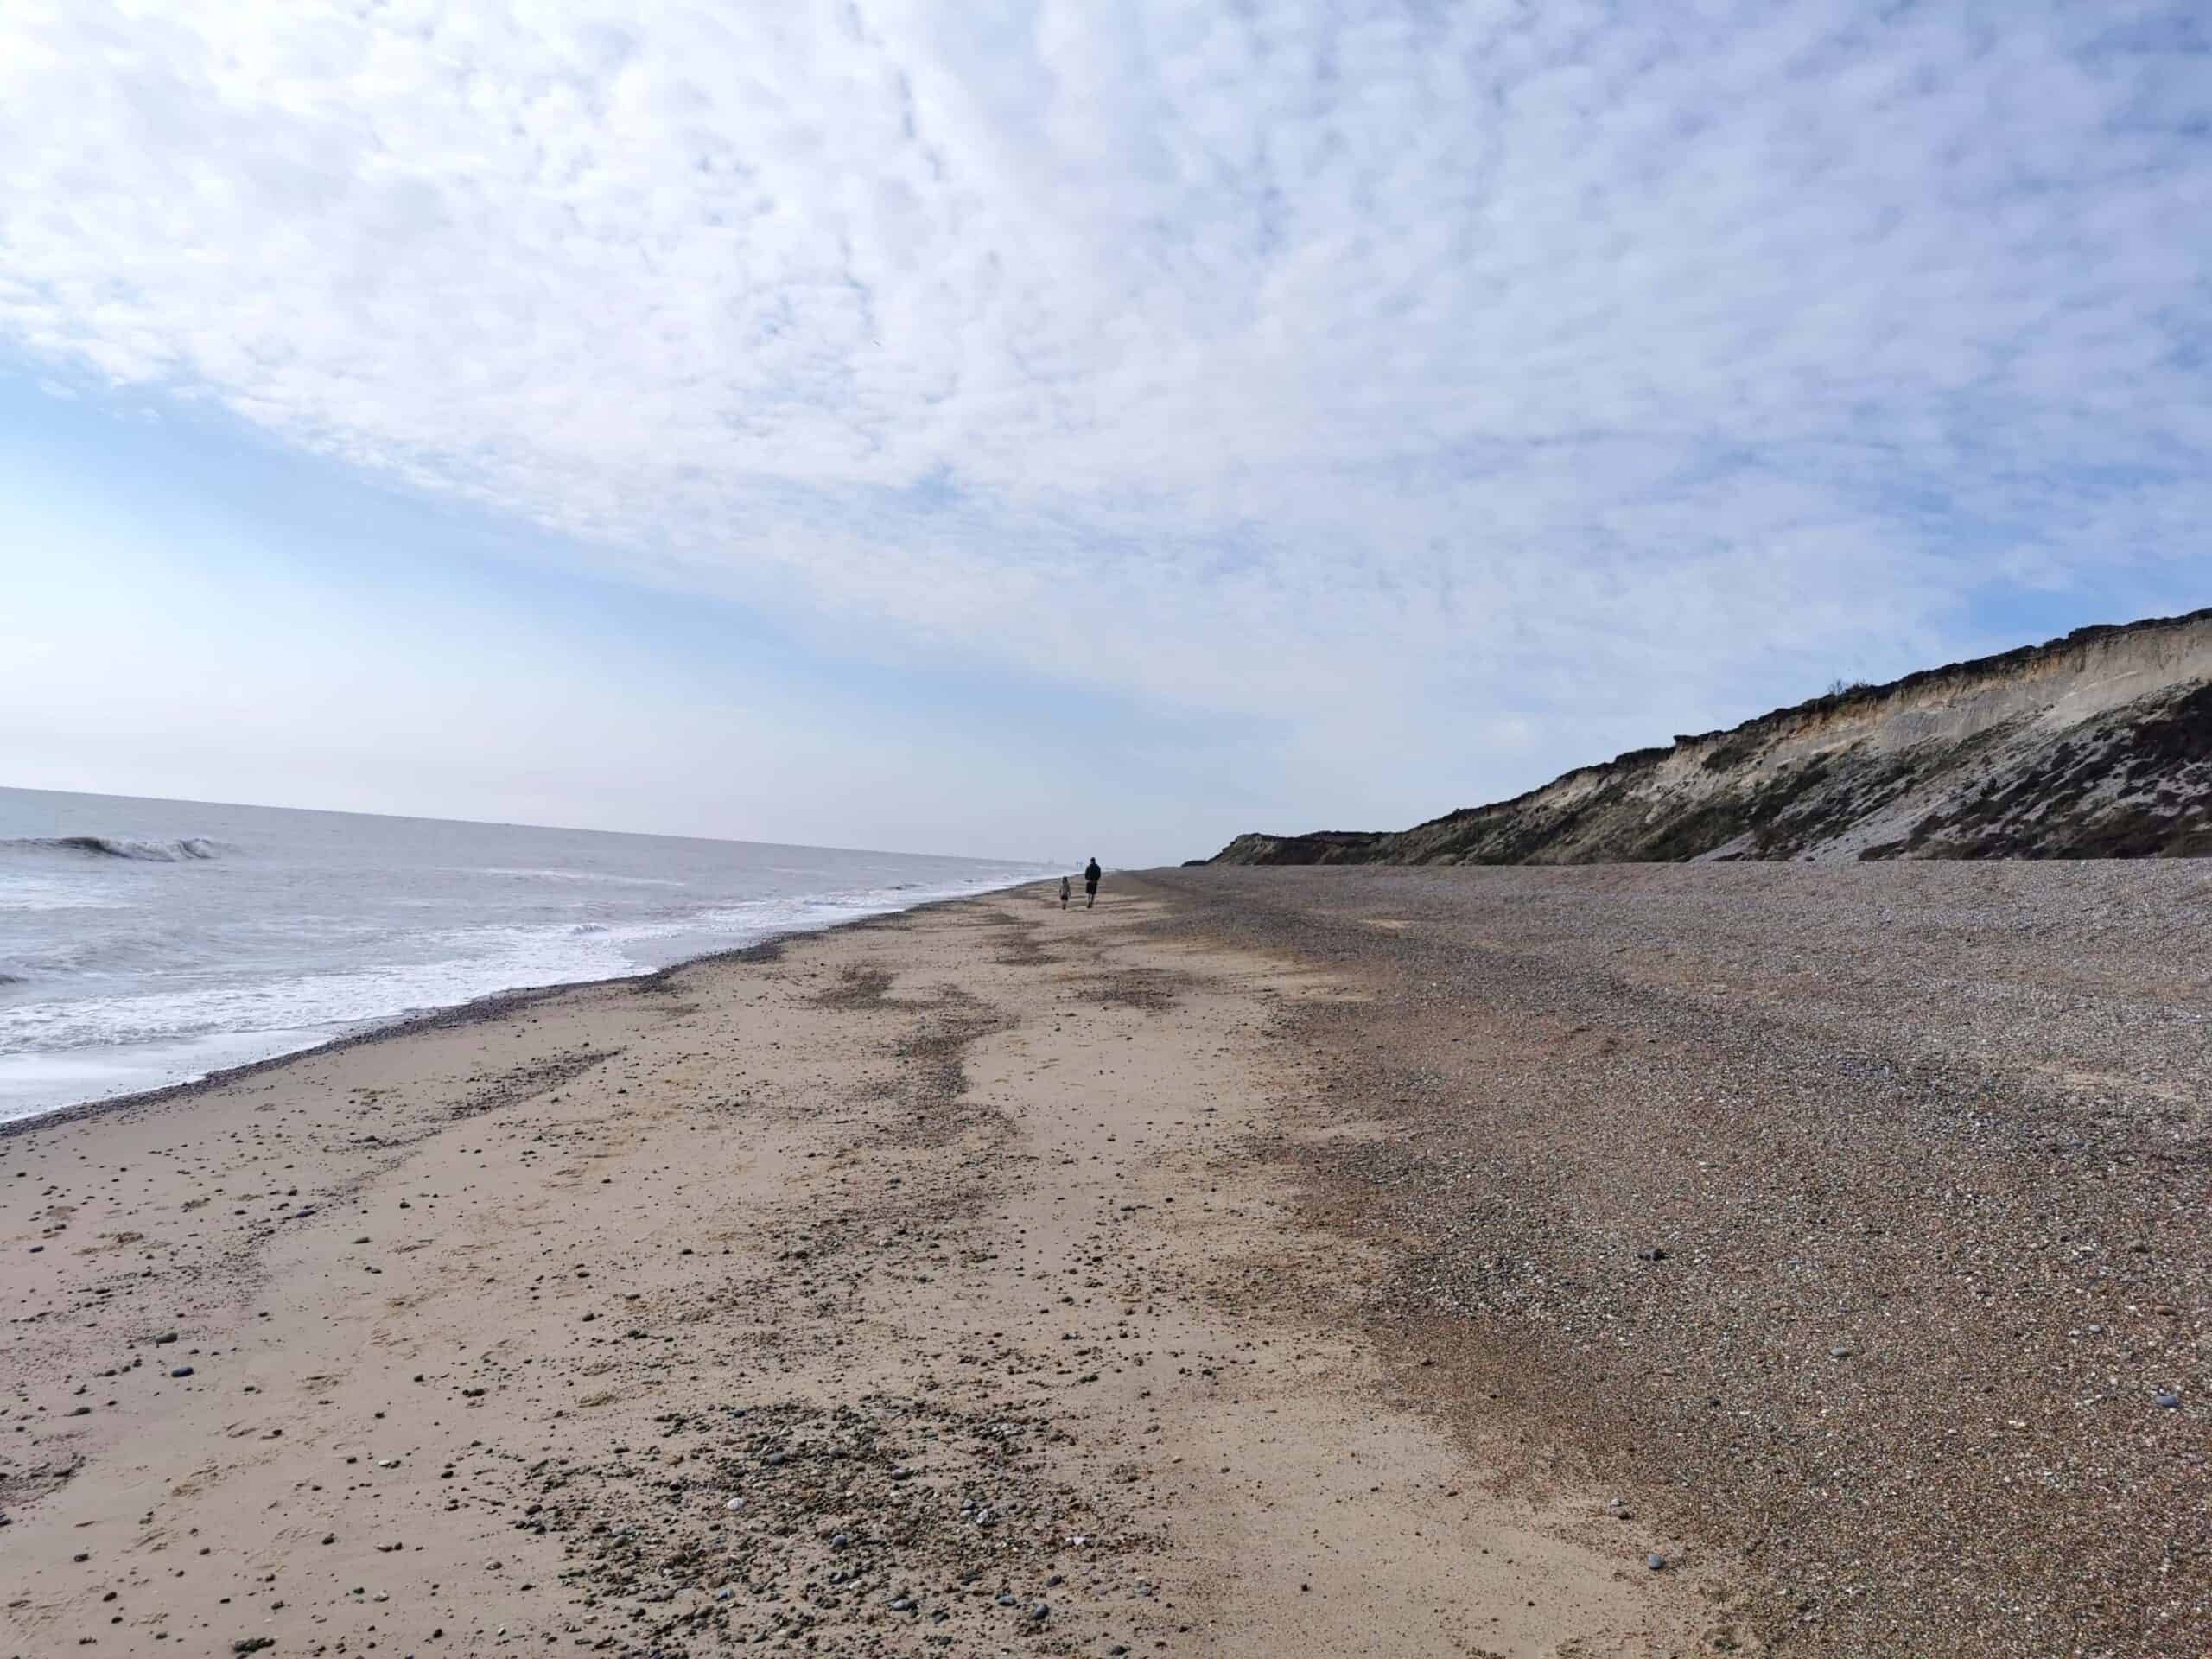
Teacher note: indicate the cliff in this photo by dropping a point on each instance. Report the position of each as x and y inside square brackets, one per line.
[2098, 745]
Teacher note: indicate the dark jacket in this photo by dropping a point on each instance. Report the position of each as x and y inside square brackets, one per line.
[1091, 873]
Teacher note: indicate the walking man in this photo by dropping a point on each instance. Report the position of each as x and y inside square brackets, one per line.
[1091, 874]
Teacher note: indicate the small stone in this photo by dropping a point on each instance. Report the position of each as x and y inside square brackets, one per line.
[181, 1371]
[1041, 1612]
[1840, 1351]
[2165, 1399]
[1657, 1563]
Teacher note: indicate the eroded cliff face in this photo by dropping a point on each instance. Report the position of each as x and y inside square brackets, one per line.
[2095, 746]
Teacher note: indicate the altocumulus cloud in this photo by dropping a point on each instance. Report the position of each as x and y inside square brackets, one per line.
[1503, 360]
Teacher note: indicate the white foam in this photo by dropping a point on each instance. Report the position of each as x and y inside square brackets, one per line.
[58, 1052]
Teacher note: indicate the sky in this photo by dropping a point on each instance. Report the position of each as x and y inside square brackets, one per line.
[1053, 428]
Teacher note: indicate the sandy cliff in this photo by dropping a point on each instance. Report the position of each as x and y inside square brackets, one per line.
[2098, 745]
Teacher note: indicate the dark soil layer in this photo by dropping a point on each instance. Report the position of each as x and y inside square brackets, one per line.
[1857, 1221]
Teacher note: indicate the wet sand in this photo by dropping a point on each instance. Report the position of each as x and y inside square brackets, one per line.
[916, 1289]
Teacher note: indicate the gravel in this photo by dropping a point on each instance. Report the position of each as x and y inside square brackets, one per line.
[1925, 1153]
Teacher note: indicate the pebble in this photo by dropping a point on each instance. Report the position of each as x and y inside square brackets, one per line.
[2166, 1399]
[181, 1371]
[1656, 1562]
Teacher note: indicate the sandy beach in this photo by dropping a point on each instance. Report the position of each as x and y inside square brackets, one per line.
[911, 1288]
[1642, 1262]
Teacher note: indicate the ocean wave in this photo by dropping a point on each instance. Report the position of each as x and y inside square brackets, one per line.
[176, 851]
[571, 876]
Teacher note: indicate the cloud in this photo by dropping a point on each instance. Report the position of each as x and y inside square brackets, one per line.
[1467, 365]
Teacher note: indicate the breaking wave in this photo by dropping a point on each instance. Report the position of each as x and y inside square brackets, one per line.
[150, 852]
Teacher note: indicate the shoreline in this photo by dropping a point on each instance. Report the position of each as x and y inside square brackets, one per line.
[908, 1290]
[1256, 1256]
[490, 1005]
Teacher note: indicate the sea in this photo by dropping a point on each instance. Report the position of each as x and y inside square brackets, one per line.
[145, 943]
